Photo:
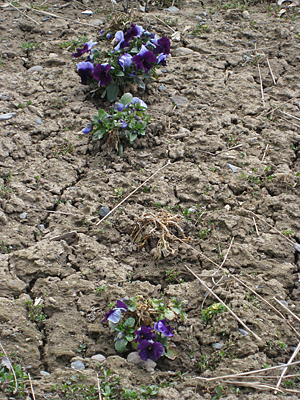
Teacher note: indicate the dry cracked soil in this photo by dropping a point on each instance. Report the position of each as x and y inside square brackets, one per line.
[231, 133]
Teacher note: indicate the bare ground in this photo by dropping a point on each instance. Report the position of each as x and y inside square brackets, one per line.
[234, 173]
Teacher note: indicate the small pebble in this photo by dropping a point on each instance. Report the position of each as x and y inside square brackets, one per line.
[104, 211]
[297, 247]
[284, 302]
[98, 357]
[243, 332]
[261, 286]
[38, 121]
[4, 117]
[172, 9]
[45, 373]
[37, 68]
[87, 12]
[232, 167]
[217, 346]
[161, 88]
[77, 365]
[24, 215]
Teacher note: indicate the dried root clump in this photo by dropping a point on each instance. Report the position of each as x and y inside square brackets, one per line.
[163, 227]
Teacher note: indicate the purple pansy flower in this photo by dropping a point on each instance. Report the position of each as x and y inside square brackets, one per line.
[149, 349]
[144, 59]
[124, 124]
[119, 106]
[125, 61]
[85, 70]
[140, 30]
[86, 48]
[131, 33]
[114, 315]
[161, 59]
[162, 328]
[136, 100]
[101, 73]
[162, 45]
[87, 129]
[144, 333]
[119, 36]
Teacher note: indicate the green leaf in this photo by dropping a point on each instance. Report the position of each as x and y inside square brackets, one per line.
[171, 353]
[131, 307]
[100, 133]
[103, 94]
[101, 114]
[129, 322]
[120, 150]
[154, 74]
[95, 119]
[119, 73]
[126, 98]
[169, 314]
[120, 345]
[112, 92]
[132, 137]
[129, 337]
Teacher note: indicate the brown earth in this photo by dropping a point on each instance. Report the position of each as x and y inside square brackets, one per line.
[234, 173]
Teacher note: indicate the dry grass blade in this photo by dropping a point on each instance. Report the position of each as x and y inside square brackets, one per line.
[271, 72]
[134, 191]
[163, 22]
[11, 368]
[27, 16]
[265, 152]
[255, 226]
[254, 385]
[66, 19]
[31, 387]
[217, 378]
[276, 230]
[285, 369]
[265, 301]
[222, 302]
[225, 258]
[287, 309]
[289, 115]
[261, 86]
[229, 53]
[99, 389]
[290, 122]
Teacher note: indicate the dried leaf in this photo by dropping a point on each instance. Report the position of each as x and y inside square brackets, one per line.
[5, 362]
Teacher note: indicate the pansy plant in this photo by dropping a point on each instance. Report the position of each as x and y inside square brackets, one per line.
[125, 121]
[142, 325]
[135, 56]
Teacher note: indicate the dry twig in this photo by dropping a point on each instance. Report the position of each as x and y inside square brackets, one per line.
[27, 16]
[285, 369]
[261, 86]
[163, 22]
[271, 72]
[134, 191]
[66, 19]
[222, 302]
[255, 226]
[99, 389]
[265, 152]
[31, 387]
[217, 378]
[287, 309]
